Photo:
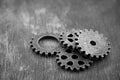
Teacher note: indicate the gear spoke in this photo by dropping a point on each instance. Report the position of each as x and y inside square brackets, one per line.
[72, 61]
[68, 39]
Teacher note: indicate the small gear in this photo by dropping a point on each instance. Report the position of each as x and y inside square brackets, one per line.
[72, 61]
[67, 39]
[46, 50]
[93, 44]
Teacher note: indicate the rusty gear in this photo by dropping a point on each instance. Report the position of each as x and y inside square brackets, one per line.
[37, 48]
[67, 39]
[72, 61]
[93, 44]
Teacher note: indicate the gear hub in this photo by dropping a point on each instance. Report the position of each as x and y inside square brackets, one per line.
[93, 44]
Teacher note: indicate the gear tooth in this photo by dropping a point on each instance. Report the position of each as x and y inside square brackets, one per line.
[59, 63]
[70, 47]
[102, 35]
[75, 69]
[105, 54]
[86, 67]
[33, 49]
[91, 30]
[31, 41]
[49, 54]
[66, 45]
[81, 31]
[108, 52]
[31, 45]
[38, 52]
[43, 53]
[101, 56]
[96, 32]
[55, 53]
[72, 68]
[90, 63]
[76, 34]
[60, 38]
[97, 56]
[79, 48]
[57, 56]
[109, 48]
[105, 38]
[108, 43]
[86, 30]
[94, 56]
[63, 66]
[57, 59]
[62, 42]
[68, 68]
[73, 30]
[81, 68]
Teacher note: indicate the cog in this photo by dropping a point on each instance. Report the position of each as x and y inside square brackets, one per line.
[93, 44]
[38, 47]
[72, 61]
[67, 39]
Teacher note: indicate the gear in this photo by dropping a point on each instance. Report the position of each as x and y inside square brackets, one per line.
[46, 50]
[67, 39]
[72, 61]
[93, 44]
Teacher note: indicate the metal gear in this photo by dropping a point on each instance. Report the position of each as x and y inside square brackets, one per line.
[37, 48]
[72, 61]
[93, 44]
[67, 39]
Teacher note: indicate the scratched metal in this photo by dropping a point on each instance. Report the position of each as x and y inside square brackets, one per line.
[21, 19]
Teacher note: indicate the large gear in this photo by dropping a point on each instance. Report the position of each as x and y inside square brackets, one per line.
[37, 48]
[67, 39]
[72, 61]
[93, 44]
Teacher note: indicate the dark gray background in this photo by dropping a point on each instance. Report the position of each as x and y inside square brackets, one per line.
[101, 15]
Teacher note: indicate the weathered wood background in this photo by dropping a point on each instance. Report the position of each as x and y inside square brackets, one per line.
[20, 19]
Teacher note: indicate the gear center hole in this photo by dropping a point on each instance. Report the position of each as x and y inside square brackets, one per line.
[93, 43]
[48, 42]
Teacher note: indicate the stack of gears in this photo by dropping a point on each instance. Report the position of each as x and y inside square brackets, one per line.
[77, 49]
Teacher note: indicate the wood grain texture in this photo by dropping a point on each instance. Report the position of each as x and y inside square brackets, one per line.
[17, 62]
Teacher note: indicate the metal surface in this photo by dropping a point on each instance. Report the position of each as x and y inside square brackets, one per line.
[72, 61]
[67, 39]
[94, 44]
[20, 19]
